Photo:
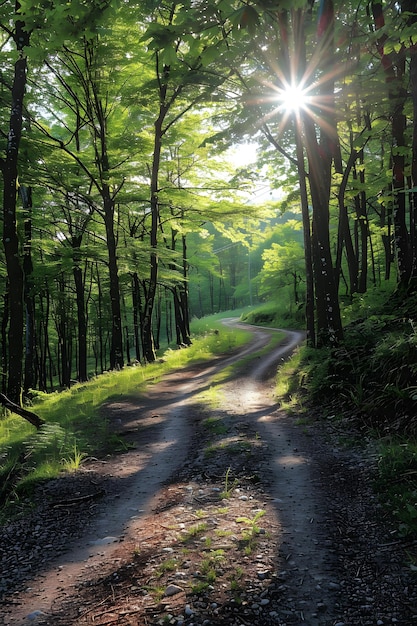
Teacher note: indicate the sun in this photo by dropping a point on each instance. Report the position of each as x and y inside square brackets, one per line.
[293, 98]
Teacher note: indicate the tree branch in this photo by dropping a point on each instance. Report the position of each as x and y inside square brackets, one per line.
[34, 419]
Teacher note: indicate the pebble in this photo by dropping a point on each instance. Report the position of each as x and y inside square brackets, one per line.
[35, 615]
[104, 541]
[172, 590]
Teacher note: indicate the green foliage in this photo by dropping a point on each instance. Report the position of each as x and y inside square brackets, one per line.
[194, 531]
[229, 486]
[372, 374]
[251, 525]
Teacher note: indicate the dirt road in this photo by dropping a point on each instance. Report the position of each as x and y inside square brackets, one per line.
[223, 511]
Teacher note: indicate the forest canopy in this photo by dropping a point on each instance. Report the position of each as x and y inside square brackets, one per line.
[125, 212]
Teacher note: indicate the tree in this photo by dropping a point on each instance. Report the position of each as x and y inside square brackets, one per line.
[9, 168]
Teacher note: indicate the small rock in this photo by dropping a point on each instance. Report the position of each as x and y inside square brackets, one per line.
[103, 542]
[35, 614]
[172, 590]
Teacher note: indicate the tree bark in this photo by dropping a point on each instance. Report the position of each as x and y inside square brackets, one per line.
[81, 323]
[147, 334]
[10, 235]
[31, 417]
[116, 346]
[136, 306]
[320, 155]
[30, 343]
[299, 36]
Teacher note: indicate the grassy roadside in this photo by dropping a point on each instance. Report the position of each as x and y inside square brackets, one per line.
[75, 429]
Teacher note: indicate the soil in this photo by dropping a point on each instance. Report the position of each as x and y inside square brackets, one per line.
[223, 509]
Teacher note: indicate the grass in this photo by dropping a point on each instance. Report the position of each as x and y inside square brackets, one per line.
[251, 528]
[193, 532]
[170, 565]
[229, 485]
[75, 427]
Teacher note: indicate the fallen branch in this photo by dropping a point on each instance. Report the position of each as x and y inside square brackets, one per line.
[34, 419]
[72, 501]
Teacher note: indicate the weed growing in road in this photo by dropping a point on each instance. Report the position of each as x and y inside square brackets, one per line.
[251, 525]
[236, 586]
[229, 486]
[211, 563]
[193, 531]
[170, 565]
[157, 592]
[223, 533]
[200, 587]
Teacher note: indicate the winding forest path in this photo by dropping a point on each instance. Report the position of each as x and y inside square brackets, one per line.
[222, 511]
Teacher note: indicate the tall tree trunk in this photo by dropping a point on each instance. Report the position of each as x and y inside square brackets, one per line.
[116, 345]
[4, 325]
[299, 44]
[344, 237]
[136, 306]
[9, 166]
[44, 305]
[320, 155]
[147, 334]
[184, 292]
[409, 5]
[363, 229]
[81, 322]
[63, 331]
[30, 343]
[99, 326]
